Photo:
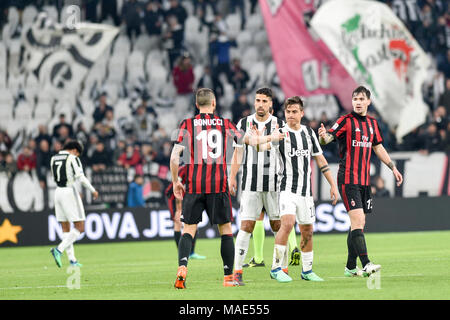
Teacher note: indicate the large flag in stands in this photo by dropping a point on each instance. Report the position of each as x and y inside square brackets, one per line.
[61, 57]
[305, 65]
[379, 52]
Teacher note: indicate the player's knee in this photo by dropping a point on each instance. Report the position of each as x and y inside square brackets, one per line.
[275, 225]
[247, 225]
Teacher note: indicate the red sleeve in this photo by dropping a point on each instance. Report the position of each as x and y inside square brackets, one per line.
[338, 129]
[20, 162]
[377, 139]
[182, 132]
[237, 135]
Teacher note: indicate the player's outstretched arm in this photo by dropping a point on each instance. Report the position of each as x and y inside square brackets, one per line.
[325, 169]
[382, 154]
[324, 136]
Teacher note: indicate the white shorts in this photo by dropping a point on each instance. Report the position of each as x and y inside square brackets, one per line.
[68, 205]
[252, 203]
[302, 207]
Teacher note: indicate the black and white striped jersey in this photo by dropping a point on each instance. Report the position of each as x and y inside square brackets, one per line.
[294, 159]
[66, 168]
[259, 172]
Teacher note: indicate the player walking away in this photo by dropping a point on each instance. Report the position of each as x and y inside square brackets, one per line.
[66, 168]
[357, 134]
[203, 141]
[259, 178]
[296, 201]
[175, 208]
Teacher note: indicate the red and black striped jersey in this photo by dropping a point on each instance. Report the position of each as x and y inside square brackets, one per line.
[356, 135]
[182, 175]
[206, 139]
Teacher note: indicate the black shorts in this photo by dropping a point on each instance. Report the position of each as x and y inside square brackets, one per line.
[217, 206]
[356, 196]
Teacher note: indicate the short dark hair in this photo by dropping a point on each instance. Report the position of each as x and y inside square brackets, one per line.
[265, 91]
[361, 89]
[293, 100]
[74, 144]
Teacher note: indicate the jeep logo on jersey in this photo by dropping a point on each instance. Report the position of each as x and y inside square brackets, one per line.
[299, 153]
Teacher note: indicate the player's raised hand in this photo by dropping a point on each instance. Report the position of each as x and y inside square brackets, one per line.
[322, 131]
[178, 190]
[277, 135]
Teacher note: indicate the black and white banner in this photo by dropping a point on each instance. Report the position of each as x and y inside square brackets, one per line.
[60, 57]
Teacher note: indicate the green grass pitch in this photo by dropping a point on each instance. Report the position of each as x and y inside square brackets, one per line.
[415, 265]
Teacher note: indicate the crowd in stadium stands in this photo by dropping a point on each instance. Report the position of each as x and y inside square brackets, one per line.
[143, 140]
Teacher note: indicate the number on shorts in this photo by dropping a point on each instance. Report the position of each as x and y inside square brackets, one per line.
[369, 204]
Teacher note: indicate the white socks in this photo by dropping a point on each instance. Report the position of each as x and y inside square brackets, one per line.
[68, 240]
[69, 250]
[279, 252]
[241, 248]
[307, 261]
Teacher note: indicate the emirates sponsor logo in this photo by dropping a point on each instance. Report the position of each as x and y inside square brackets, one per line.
[365, 143]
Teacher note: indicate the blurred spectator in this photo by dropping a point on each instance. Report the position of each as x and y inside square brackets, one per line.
[173, 40]
[177, 10]
[109, 8]
[81, 134]
[91, 145]
[200, 6]
[144, 124]
[131, 16]
[102, 107]
[43, 135]
[324, 119]
[62, 130]
[238, 77]
[148, 155]
[8, 165]
[240, 107]
[148, 108]
[253, 4]
[210, 80]
[135, 197]
[153, 18]
[5, 141]
[239, 4]
[440, 118]
[183, 76]
[43, 156]
[220, 49]
[56, 146]
[163, 156]
[117, 152]
[130, 158]
[100, 158]
[378, 188]
[445, 65]
[26, 161]
[433, 139]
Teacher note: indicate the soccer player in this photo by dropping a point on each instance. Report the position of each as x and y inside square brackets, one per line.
[203, 140]
[296, 201]
[259, 178]
[66, 168]
[357, 134]
[175, 208]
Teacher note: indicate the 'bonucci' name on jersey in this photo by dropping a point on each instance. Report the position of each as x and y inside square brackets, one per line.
[295, 152]
[259, 171]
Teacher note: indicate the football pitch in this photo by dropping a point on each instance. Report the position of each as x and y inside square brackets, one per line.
[415, 265]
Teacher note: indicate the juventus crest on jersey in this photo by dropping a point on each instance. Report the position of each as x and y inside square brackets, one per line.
[294, 159]
[259, 168]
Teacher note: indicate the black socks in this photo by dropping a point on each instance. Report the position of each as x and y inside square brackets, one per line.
[227, 252]
[184, 249]
[359, 246]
